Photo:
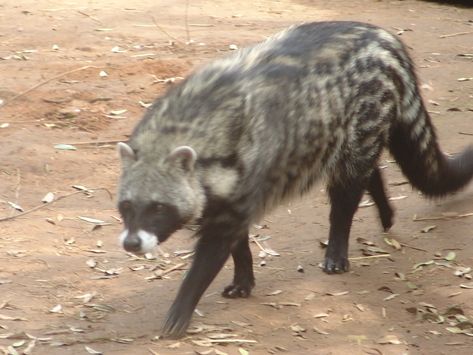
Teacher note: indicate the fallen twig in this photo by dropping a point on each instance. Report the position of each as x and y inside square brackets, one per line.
[456, 34]
[411, 247]
[258, 244]
[89, 16]
[186, 22]
[370, 257]
[97, 142]
[446, 218]
[47, 81]
[43, 205]
[164, 31]
[466, 133]
[161, 273]
[171, 269]
[228, 341]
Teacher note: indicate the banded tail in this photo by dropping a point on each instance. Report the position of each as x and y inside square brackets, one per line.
[413, 143]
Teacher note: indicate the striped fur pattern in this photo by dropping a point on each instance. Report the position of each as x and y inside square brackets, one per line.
[248, 131]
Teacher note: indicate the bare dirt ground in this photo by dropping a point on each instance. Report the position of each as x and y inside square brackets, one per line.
[67, 288]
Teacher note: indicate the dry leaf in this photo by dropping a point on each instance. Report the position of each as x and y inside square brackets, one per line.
[5, 317]
[372, 250]
[396, 198]
[357, 338]
[65, 147]
[117, 49]
[428, 228]
[92, 220]
[390, 297]
[144, 104]
[269, 250]
[451, 256]
[454, 330]
[15, 206]
[77, 330]
[293, 304]
[389, 339]
[274, 293]
[118, 112]
[92, 351]
[19, 343]
[96, 251]
[467, 286]
[337, 293]
[272, 304]
[317, 330]
[29, 348]
[360, 307]
[321, 315]
[136, 267]
[56, 309]
[393, 242]
[220, 335]
[400, 276]
[309, 297]
[365, 241]
[297, 328]
[424, 263]
[11, 351]
[86, 298]
[462, 271]
[366, 203]
[48, 198]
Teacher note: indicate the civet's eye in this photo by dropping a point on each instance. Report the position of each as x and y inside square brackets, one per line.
[125, 205]
[157, 207]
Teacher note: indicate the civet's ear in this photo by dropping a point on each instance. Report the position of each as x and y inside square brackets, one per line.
[126, 153]
[184, 157]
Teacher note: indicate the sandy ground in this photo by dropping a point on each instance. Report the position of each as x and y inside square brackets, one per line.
[75, 73]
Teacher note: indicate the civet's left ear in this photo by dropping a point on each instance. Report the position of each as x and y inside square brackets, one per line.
[184, 157]
[127, 154]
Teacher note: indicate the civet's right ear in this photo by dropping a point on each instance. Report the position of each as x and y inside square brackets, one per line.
[126, 153]
[184, 157]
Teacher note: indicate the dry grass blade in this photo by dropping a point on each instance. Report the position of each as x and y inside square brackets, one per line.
[47, 81]
[164, 31]
[230, 341]
[456, 34]
[370, 257]
[43, 205]
[104, 142]
[5, 317]
[160, 273]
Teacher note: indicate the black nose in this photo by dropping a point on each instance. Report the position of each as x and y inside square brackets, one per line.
[132, 244]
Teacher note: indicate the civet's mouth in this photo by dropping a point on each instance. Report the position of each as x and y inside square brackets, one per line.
[139, 242]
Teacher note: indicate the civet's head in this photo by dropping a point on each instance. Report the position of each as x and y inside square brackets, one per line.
[157, 196]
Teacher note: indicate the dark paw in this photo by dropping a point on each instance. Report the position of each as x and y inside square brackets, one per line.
[237, 291]
[336, 266]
